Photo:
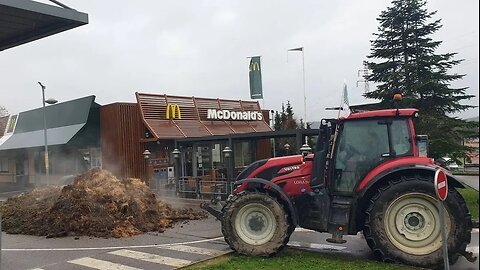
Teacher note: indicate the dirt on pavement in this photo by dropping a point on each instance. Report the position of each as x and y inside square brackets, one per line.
[96, 204]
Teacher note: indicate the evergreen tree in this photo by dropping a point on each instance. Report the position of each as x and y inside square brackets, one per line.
[403, 59]
[285, 120]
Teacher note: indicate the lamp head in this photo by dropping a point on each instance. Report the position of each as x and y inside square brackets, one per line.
[51, 101]
[146, 154]
[176, 153]
[227, 152]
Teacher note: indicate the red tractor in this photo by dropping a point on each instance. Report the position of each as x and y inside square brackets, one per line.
[369, 173]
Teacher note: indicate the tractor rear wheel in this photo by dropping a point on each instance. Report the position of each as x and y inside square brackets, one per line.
[402, 223]
[255, 224]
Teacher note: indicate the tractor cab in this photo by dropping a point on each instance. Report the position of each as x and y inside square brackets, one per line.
[348, 150]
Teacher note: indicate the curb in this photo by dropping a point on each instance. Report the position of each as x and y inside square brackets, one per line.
[475, 223]
[205, 260]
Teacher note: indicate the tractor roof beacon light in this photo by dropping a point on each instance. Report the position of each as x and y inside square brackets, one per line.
[397, 97]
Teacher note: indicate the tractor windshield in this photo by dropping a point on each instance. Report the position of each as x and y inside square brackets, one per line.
[364, 144]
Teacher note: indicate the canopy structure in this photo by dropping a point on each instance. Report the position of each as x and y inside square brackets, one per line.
[23, 21]
[64, 121]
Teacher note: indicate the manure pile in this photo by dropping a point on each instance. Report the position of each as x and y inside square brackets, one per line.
[96, 204]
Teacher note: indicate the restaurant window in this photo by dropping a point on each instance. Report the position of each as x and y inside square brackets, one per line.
[243, 154]
[3, 164]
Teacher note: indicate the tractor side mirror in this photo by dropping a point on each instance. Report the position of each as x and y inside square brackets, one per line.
[422, 144]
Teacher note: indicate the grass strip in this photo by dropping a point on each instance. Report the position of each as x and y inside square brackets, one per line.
[470, 196]
[291, 258]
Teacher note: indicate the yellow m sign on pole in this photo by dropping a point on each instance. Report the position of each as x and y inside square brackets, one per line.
[255, 66]
[255, 77]
[173, 111]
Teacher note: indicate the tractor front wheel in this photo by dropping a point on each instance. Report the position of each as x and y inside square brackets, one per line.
[255, 224]
[402, 223]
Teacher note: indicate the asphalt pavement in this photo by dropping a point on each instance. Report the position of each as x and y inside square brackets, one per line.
[182, 245]
[469, 180]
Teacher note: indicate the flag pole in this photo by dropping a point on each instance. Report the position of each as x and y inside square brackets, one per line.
[341, 100]
[304, 95]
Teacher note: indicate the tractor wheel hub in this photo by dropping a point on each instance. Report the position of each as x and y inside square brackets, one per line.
[255, 224]
[414, 221]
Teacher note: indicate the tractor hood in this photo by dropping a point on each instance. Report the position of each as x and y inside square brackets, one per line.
[267, 167]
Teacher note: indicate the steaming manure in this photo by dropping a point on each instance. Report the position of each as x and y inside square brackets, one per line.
[96, 204]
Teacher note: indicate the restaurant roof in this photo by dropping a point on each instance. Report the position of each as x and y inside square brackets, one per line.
[171, 117]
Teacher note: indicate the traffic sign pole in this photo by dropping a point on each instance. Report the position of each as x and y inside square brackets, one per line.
[441, 189]
[441, 209]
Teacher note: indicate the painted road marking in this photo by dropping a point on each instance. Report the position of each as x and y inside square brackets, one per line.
[153, 258]
[473, 249]
[196, 250]
[107, 248]
[101, 265]
[298, 229]
[315, 246]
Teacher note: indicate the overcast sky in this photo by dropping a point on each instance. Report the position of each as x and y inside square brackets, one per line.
[200, 48]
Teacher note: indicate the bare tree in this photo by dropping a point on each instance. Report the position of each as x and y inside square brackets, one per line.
[3, 111]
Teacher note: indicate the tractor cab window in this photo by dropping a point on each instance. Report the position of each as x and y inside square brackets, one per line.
[361, 146]
[400, 136]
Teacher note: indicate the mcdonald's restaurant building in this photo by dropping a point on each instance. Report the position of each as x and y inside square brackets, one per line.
[116, 137]
[201, 129]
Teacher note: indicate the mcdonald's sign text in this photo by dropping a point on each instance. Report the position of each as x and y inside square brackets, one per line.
[214, 114]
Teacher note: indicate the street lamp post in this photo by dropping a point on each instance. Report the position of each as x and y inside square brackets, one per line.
[49, 101]
[227, 152]
[176, 155]
[287, 148]
[146, 156]
[273, 127]
[305, 149]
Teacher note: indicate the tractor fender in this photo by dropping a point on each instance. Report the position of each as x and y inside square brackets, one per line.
[278, 190]
[452, 181]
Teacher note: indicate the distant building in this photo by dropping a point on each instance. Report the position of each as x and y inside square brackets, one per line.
[472, 157]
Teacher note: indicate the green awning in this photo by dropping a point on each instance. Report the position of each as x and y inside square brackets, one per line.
[56, 136]
[64, 121]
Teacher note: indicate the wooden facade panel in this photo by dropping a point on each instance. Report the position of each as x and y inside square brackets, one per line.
[260, 126]
[165, 129]
[121, 129]
[218, 127]
[263, 149]
[192, 128]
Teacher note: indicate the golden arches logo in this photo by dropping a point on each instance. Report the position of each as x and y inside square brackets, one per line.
[255, 66]
[173, 111]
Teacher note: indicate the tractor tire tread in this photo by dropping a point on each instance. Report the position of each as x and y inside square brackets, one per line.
[386, 256]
